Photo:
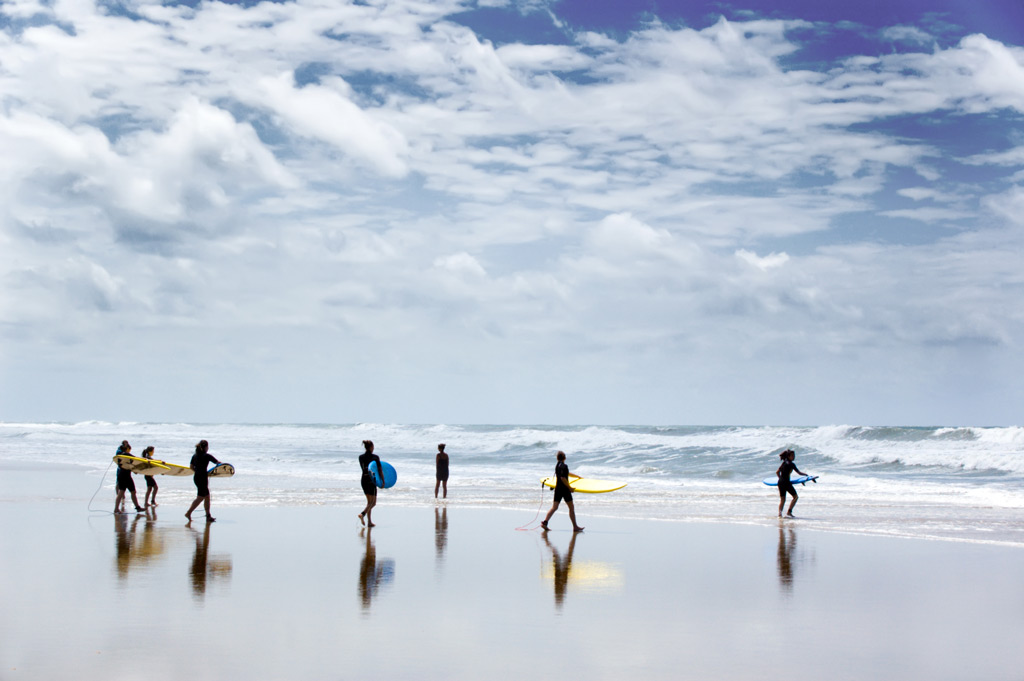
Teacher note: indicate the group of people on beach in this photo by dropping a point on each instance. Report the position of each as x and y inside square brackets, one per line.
[199, 465]
[562, 488]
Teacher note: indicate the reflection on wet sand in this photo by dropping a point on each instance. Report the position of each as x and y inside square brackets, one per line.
[374, 574]
[205, 567]
[587, 575]
[789, 557]
[134, 549]
[440, 534]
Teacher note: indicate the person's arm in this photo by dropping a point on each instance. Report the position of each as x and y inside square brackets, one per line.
[778, 473]
[798, 470]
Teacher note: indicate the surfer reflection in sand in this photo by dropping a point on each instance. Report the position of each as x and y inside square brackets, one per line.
[440, 533]
[373, 574]
[789, 557]
[133, 549]
[562, 567]
[204, 567]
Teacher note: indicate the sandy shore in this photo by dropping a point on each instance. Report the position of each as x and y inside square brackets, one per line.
[457, 593]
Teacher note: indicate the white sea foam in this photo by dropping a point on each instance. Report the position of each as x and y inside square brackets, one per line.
[881, 478]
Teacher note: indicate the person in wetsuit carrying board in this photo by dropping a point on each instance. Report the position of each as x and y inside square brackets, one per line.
[563, 492]
[200, 460]
[367, 482]
[785, 486]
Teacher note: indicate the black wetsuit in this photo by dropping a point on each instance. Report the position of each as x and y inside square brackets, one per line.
[442, 467]
[785, 470]
[201, 475]
[124, 479]
[562, 491]
[367, 482]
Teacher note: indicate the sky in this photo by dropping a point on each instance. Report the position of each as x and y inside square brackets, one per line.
[512, 211]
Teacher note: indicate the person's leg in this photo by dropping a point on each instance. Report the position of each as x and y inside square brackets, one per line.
[544, 523]
[782, 501]
[572, 516]
[206, 507]
[118, 500]
[195, 503]
[135, 500]
[444, 484]
[792, 503]
[156, 488]
[437, 486]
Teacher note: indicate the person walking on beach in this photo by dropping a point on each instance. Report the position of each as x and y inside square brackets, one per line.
[785, 486]
[151, 487]
[125, 483]
[367, 482]
[200, 460]
[563, 492]
[442, 471]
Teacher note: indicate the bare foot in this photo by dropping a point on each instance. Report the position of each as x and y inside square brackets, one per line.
[577, 529]
[361, 519]
[371, 525]
[544, 525]
[210, 519]
[189, 516]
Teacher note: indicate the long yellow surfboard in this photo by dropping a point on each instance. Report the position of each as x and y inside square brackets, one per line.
[175, 469]
[139, 465]
[587, 485]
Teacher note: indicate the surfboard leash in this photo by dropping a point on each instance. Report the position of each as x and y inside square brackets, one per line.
[102, 480]
[540, 507]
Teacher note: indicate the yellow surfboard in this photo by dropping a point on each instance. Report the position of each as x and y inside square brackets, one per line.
[587, 485]
[139, 465]
[174, 469]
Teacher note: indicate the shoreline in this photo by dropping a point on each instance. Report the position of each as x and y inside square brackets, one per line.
[69, 483]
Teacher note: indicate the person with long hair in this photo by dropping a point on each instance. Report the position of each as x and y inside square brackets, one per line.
[151, 487]
[200, 460]
[785, 486]
[367, 482]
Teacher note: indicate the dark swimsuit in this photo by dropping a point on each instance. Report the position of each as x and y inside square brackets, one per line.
[201, 476]
[124, 480]
[442, 468]
[367, 482]
[562, 491]
[785, 470]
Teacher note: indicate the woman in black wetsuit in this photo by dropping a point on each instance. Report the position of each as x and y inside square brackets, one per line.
[785, 470]
[367, 482]
[200, 477]
[563, 492]
[442, 471]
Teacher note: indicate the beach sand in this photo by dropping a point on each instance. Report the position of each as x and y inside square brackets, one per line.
[443, 591]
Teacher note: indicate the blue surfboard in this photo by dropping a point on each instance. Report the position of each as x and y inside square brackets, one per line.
[390, 475]
[799, 480]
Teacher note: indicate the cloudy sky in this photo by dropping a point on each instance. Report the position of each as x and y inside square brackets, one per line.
[512, 211]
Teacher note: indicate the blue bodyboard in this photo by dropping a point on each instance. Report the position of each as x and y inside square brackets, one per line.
[390, 475]
[799, 480]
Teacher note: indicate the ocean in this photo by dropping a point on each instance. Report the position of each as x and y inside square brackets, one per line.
[964, 484]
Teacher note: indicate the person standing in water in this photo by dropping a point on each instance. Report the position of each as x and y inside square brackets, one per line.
[785, 486]
[125, 483]
[367, 482]
[151, 487]
[442, 471]
[200, 460]
[563, 492]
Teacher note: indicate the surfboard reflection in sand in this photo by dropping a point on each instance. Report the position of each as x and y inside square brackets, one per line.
[592, 576]
[374, 574]
[206, 568]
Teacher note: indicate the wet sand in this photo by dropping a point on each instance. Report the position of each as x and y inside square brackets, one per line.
[442, 591]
